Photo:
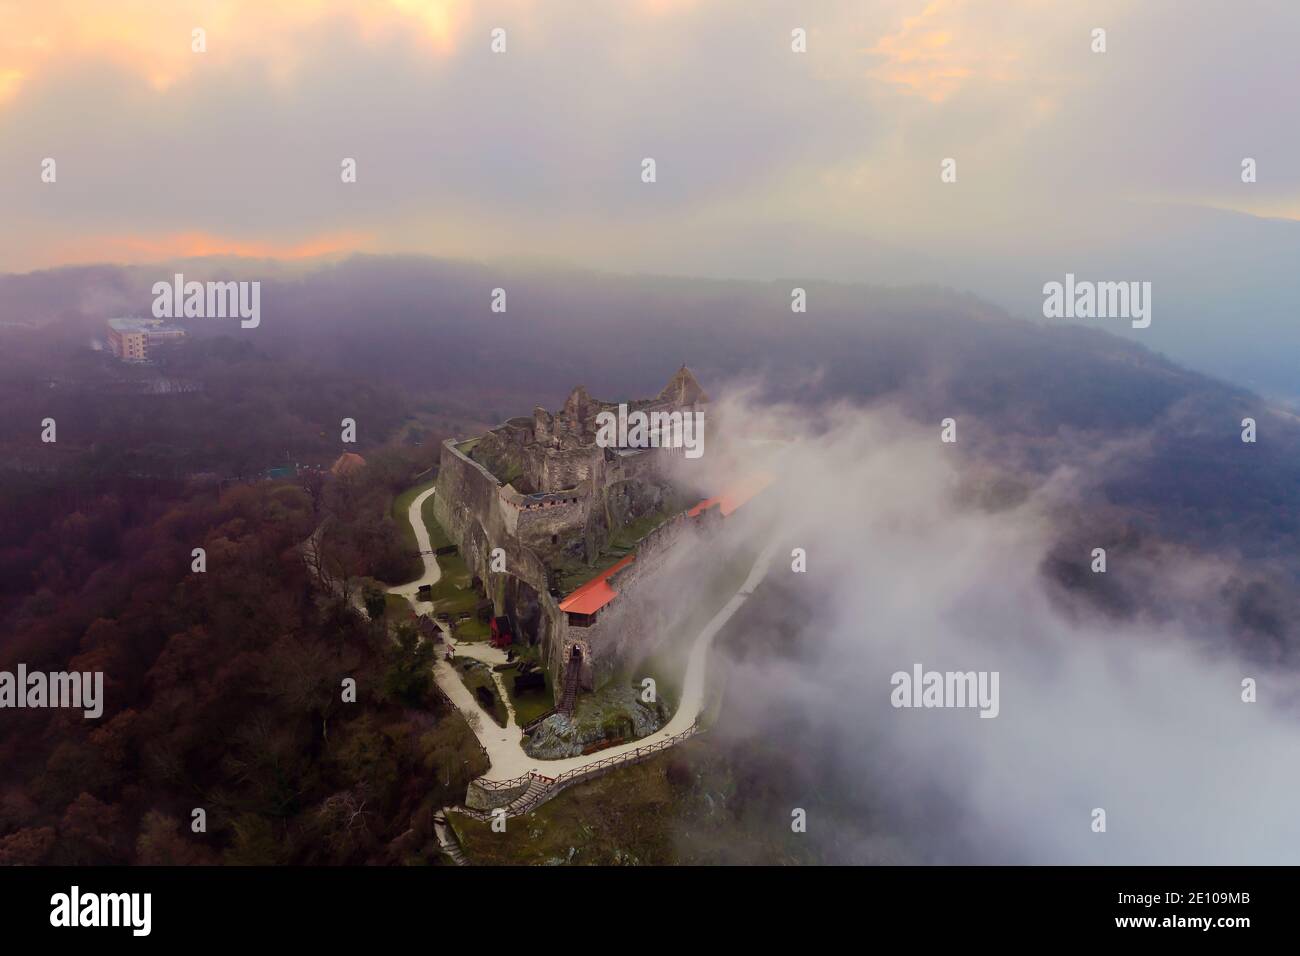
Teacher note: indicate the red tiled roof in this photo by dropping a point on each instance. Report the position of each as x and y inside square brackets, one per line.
[734, 497]
[596, 593]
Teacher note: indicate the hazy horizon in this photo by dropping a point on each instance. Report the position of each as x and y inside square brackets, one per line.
[770, 163]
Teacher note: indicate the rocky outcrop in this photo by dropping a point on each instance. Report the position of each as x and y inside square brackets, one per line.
[683, 390]
[613, 713]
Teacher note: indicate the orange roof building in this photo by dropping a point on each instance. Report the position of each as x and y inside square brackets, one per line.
[347, 463]
[733, 497]
[595, 594]
[585, 602]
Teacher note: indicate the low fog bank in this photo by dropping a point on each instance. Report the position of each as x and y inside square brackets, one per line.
[1142, 717]
[1031, 396]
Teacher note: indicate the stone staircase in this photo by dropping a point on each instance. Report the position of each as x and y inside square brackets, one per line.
[447, 839]
[571, 675]
[537, 790]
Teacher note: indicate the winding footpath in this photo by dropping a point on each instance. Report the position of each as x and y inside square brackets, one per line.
[504, 745]
[501, 743]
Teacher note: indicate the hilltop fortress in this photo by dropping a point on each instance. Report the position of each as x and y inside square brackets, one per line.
[582, 526]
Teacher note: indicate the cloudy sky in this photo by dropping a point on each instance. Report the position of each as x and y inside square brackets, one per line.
[161, 151]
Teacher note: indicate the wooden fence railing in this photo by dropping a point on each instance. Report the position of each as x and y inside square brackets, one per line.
[451, 704]
[629, 756]
[541, 787]
[504, 784]
[528, 727]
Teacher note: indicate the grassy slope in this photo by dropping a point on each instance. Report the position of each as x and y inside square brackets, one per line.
[437, 537]
[639, 815]
[401, 507]
[627, 537]
[452, 593]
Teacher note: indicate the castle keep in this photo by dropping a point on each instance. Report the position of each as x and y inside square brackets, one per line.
[580, 525]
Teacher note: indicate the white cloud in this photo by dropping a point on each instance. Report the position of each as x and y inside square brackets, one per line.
[1137, 718]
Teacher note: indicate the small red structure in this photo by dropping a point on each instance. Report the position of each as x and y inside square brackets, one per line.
[501, 633]
[583, 604]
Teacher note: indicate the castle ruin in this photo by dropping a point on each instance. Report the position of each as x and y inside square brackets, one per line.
[580, 525]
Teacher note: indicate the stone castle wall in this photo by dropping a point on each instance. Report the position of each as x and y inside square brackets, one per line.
[560, 468]
[479, 515]
[653, 592]
[546, 525]
[467, 494]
